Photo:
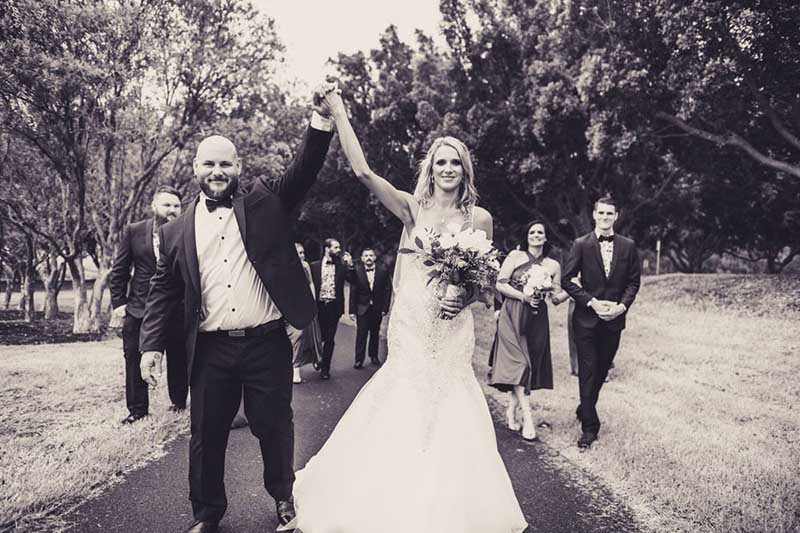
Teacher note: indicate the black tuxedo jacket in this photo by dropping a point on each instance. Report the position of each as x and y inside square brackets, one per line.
[339, 279]
[135, 250]
[263, 213]
[361, 296]
[620, 286]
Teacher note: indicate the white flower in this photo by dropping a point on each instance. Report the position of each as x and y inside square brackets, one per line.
[447, 241]
[539, 278]
[474, 240]
[453, 227]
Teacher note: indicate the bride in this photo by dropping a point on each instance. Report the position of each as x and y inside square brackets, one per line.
[416, 450]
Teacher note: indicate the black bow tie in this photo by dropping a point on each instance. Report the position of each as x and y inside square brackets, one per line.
[605, 238]
[370, 269]
[212, 204]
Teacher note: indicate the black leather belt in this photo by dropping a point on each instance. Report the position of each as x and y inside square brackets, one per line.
[257, 331]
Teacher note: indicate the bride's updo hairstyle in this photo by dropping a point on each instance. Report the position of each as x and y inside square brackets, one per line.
[468, 195]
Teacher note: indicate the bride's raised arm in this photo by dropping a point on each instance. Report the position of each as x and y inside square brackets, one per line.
[402, 204]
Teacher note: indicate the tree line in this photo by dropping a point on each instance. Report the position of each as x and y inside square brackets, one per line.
[687, 112]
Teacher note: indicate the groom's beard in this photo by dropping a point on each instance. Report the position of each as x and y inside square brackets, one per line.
[233, 184]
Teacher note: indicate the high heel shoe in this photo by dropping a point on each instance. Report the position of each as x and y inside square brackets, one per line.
[511, 418]
[528, 427]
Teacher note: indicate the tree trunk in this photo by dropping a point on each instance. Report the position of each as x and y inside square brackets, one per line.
[10, 280]
[81, 316]
[51, 273]
[30, 272]
[96, 304]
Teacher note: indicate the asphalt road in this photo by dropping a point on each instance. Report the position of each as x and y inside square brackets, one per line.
[554, 497]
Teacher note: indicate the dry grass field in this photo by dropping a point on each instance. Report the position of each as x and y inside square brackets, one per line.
[701, 428]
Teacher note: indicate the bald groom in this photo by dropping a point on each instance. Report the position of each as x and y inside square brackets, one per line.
[232, 259]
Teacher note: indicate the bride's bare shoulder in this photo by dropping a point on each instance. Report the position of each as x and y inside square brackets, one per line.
[482, 219]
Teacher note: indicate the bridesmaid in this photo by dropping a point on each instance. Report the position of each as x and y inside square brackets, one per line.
[521, 354]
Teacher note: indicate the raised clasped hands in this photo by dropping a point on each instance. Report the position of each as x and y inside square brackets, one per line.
[327, 98]
[150, 366]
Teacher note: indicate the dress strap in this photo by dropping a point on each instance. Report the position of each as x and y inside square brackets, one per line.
[472, 217]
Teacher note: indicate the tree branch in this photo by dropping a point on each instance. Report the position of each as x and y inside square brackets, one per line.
[732, 139]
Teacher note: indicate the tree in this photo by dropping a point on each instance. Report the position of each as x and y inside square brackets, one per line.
[107, 90]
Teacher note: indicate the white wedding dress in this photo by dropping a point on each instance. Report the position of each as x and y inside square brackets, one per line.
[416, 450]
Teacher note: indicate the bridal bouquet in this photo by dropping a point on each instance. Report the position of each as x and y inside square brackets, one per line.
[461, 260]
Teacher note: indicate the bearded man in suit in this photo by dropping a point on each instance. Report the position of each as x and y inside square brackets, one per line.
[370, 293]
[231, 258]
[138, 251]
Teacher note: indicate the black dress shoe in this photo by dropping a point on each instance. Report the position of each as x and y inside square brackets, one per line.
[376, 361]
[586, 440]
[176, 408]
[316, 366]
[285, 511]
[203, 527]
[358, 366]
[325, 375]
[130, 419]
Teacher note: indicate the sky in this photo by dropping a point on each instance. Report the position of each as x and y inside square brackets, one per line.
[314, 30]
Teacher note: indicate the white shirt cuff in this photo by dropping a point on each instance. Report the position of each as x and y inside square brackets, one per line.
[318, 122]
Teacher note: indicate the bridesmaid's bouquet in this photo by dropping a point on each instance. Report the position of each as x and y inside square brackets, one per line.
[536, 281]
[459, 261]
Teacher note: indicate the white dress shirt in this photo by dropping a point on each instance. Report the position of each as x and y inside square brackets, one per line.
[607, 252]
[327, 289]
[233, 296]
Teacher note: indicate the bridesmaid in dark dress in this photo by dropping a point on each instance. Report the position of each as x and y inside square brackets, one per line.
[521, 353]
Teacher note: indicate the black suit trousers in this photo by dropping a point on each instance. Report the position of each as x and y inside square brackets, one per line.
[136, 394]
[368, 325]
[597, 347]
[227, 369]
[329, 316]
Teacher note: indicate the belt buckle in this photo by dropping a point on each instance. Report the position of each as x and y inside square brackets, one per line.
[236, 333]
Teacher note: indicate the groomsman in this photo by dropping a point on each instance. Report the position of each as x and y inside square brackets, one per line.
[138, 249]
[231, 257]
[370, 292]
[608, 265]
[329, 275]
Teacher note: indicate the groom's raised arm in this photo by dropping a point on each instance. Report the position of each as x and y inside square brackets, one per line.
[308, 160]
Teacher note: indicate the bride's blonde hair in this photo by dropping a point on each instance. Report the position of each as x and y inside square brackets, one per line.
[468, 195]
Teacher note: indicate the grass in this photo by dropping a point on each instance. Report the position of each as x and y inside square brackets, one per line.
[701, 432]
[700, 427]
[60, 437]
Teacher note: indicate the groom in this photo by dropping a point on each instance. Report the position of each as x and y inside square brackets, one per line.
[608, 266]
[231, 257]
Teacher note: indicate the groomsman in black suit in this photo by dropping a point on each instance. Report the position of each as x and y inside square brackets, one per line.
[329, 275]
[608, 265]
[370, 292]
[138, 249]
[231, 258]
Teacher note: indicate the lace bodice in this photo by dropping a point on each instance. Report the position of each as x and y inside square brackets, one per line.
[417, 336]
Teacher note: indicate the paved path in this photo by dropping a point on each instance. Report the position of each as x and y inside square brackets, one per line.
[553, 496]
